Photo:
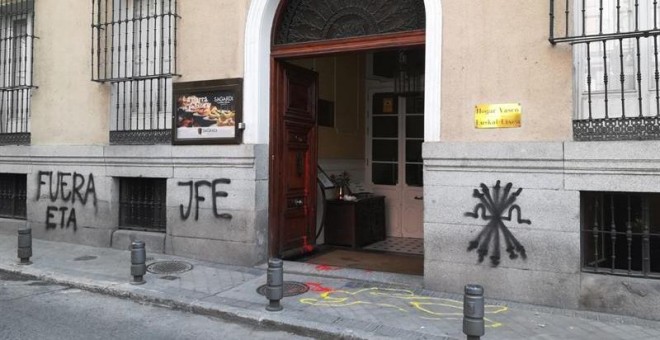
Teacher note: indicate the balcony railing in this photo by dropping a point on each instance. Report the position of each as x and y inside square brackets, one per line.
[617, 66]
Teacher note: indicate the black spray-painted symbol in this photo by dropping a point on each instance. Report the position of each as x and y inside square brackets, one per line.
[492, 209]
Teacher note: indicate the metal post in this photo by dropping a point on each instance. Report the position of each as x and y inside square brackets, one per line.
[274, 285]
[473, 312]
[138, 259]
[24, 246]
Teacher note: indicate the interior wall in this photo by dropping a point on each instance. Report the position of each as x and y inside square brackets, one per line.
[341, 81]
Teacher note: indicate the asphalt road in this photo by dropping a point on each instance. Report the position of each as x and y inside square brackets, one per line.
[40, 310]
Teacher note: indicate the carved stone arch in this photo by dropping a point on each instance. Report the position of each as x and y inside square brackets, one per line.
[316, 20]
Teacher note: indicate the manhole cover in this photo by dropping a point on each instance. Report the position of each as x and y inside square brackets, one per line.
[85, 258]
[291, 288]
[169, 267]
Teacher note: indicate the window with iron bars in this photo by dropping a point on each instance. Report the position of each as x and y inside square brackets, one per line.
[142, 203]
[16, 41]
[12, 196]
[134, 49]
[617, 66]
[621, 233]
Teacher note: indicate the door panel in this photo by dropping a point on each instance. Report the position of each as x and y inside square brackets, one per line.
[412, 196]
[293, 155]
[413, 212]
[396, 165]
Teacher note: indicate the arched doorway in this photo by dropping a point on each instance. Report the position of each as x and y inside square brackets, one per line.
[261, 99]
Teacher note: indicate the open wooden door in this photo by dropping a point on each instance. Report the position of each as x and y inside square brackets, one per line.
[293, 160]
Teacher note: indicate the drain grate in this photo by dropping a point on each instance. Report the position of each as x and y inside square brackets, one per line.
[291, 288]
[85, 258]
[169, 267]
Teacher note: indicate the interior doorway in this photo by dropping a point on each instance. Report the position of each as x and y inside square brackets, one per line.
[366, 138]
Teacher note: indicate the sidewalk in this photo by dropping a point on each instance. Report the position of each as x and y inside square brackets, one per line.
[340, 302]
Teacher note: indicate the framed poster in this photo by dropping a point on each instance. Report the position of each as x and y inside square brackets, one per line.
[208, 112]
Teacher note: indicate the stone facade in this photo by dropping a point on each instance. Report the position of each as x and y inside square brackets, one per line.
[499, 60]
[241, 239]
[552, 175]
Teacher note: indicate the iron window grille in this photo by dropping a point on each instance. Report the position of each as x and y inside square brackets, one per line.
[142, 204]
[134, 49]
[13, 196]
[621, 234]
[617, 66]
[16, 43]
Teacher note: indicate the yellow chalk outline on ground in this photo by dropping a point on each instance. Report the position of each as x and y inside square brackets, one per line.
[418, 302]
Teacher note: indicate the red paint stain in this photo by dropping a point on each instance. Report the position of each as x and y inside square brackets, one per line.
[307, 248]
[325, 268]
[317, 287]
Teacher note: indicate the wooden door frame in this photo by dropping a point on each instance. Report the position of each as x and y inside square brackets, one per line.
[408, 39]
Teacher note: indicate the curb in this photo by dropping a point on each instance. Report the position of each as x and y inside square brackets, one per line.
[224, 312]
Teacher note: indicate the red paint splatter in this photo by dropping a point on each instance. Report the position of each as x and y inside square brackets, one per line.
[307, 248]
[325, 268]
[317, 287]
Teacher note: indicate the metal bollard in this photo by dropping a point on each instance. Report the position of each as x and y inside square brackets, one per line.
[24, 246]
[274, 285]
[138, 259]
[473, 312]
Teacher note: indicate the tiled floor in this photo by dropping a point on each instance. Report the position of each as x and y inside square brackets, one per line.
[399, 245]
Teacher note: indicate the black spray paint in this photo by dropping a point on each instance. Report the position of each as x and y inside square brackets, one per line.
[492, 209]
[67, 187]
[50, 215]
[215, 194]
[60, 188]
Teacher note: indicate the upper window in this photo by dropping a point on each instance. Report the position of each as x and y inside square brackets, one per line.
[397, 134]
[134, 49]
[616, 62]
[16, 41]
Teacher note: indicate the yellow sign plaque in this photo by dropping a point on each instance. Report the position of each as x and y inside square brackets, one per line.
[495, 116]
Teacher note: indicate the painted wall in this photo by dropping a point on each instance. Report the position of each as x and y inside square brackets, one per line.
[498, 52]
[210, 39]
[67, 108]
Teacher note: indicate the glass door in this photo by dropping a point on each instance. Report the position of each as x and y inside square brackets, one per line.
[396, 135]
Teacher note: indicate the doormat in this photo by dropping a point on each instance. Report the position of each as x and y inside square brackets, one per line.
[381, 262]
[399, 245]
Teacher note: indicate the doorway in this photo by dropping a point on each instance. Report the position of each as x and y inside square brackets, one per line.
[300, 112]
[360, 131]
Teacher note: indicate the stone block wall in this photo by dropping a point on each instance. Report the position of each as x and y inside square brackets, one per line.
[73, 196]
[551, 176]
